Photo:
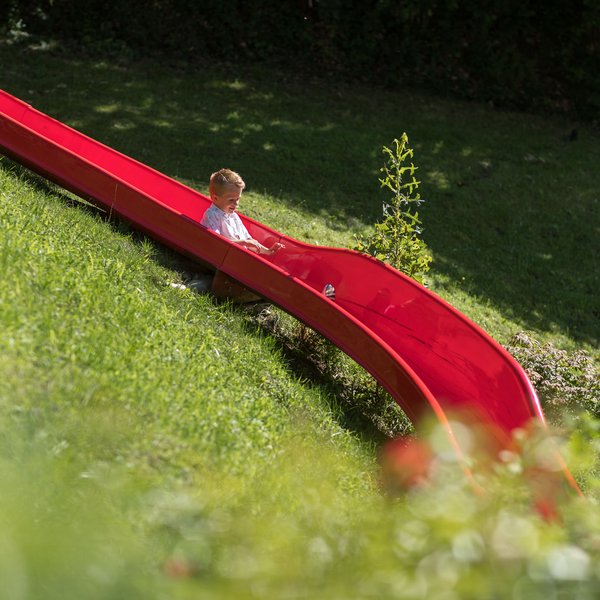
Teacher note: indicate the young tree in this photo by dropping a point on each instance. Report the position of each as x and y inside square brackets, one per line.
[395, 240]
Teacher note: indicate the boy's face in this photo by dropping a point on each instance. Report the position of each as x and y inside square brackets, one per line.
[228, 199]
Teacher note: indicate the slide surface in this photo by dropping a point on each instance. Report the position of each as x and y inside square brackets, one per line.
[431, 359]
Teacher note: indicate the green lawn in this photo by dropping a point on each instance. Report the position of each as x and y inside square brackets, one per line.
[157, 444]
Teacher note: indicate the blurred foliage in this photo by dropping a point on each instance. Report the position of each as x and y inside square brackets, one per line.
[540, 54]
[74, 529]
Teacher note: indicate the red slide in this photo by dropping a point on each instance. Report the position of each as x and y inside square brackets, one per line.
[427, 355]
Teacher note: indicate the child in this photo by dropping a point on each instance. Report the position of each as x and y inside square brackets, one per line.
[225, 190]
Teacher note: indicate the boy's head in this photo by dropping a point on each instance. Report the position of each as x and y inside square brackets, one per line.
[225, 189]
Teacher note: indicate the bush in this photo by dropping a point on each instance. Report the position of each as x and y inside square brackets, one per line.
[567, 383]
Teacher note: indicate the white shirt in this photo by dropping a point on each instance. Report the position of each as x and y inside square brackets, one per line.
[229, 225]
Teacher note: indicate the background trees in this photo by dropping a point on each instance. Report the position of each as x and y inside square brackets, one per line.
[532, 54]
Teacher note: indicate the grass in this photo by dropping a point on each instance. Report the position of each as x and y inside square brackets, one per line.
[157, 444]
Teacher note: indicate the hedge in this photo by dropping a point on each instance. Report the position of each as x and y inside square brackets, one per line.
[532, 54]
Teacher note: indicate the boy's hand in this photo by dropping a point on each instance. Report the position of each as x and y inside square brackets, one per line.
[257, 247]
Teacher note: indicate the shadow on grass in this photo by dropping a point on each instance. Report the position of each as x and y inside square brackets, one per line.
[504, 218]
[361, 405]
[534, 255]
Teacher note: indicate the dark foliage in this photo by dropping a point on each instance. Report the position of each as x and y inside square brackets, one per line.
[533, 54]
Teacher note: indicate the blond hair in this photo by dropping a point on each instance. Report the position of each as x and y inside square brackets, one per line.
[224, 178]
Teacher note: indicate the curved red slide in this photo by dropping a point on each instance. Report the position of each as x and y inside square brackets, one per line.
[427, 355]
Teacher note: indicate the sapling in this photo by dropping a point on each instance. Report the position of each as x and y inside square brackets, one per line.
[395, 240]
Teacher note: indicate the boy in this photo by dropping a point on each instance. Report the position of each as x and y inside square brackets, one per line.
[225, 190]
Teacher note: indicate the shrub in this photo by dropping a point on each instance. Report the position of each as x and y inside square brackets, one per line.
[395, 240]
[567, 383]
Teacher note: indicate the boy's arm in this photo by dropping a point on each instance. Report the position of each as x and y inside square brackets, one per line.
[212, 221]
[257, 247]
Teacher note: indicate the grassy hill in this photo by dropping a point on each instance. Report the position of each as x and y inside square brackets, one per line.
[157, 444]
